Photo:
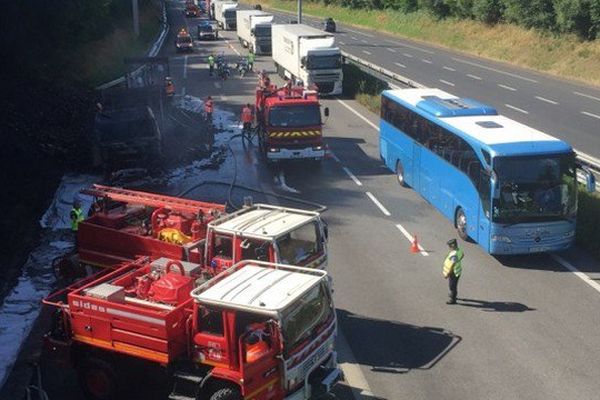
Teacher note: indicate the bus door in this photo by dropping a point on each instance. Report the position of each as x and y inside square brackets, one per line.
[416, 167]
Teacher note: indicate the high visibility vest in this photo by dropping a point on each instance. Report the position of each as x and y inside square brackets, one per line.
[208, 106]
[211, 60]
[246, 115]
[251, 57]
[453, 263]
[76, 218]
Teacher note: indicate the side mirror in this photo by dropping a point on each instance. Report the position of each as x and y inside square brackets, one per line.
[326, 111]
[325, 231]
[303, 61]
[589, 178]
[252, 31]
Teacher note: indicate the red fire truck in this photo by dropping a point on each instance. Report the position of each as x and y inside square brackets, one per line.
[191, 9]
[255, 331]
[289, 123]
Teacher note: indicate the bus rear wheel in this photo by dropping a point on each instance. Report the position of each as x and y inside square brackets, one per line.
[461, 224]
[400, 174]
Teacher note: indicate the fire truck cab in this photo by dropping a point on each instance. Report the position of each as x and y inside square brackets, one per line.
[255, 331]
[184, 41]
[267, 233]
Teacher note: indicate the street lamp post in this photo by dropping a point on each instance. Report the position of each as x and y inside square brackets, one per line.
[299, 11]
[136, 17]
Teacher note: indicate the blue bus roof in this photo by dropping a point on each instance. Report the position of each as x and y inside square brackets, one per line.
[478, 123]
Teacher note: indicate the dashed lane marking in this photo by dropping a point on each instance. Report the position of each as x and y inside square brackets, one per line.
[517, 109]
[449, 68]
[366, 52]
[446, 82]
[360, 33]
[352, 176]
[391, 50]
[494, 69]
[407, 55]
[589, 114]
[185, 62]
[512, 89]
[589, 96]
[477, 78]
[546, 100]
[217, 85]
[595, 285]
[426, 61]
[410, 239]
[378, 204]
[400, 65]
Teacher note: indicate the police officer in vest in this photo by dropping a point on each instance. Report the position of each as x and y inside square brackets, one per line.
[76, 215]
[453, 269]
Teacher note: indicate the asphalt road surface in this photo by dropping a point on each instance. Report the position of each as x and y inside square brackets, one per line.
[524, 328]
[566, 109]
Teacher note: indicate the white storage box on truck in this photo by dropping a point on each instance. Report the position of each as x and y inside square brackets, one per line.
[308, 54]
[225, 14]
[254, 30]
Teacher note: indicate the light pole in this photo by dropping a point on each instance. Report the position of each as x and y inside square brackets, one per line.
[136, 17]
[299, 11]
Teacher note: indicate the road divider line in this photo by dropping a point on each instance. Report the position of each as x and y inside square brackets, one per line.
[363, 40]
[391, 50]
[477, 78]
[512, 89]
[358, 115]
[400, 65]
[352, 176]
[494, 69]
[407, 55]
[446, 82]
[232, 48]
[411, 238]
[360, 33]
[354, 38]
[341, 43]
[589, 96]
[185, 62]
[378, 204]
[517, 109]
[546, 100]
[366, 52]
[426, 61]
[577, 272]
[589, 114]
[449, 68]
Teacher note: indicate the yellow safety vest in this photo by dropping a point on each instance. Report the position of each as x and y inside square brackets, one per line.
[76, 219]
[451, 265]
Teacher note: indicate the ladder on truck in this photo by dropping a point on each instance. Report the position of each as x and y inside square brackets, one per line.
[152, 199]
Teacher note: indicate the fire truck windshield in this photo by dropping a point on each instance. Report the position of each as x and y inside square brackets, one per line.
[301, 318]
[295, 116]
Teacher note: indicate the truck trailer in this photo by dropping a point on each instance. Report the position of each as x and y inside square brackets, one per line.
[225, 12]
[303, 53]
[254, 30]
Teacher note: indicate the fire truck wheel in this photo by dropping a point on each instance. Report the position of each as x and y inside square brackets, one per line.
[98, 380]
[226, 393]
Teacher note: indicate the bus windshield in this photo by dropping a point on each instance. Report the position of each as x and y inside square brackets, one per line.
[535, 188]
[301, 318]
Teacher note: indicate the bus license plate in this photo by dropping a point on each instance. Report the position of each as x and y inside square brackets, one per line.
[538, 249]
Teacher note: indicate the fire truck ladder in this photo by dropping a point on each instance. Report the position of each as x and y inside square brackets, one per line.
[151, 199]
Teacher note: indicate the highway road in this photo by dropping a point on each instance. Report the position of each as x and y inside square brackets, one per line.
[565, 109]
[524, 328]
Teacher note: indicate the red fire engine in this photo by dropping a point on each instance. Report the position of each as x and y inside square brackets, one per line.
[289, 121]
[191, 9]
[255, 331]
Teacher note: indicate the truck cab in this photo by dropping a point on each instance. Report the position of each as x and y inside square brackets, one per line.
[267, 233]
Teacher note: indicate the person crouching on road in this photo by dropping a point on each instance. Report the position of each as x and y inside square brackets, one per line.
[453, 269]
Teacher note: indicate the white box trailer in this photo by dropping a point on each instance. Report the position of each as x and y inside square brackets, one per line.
[254, 30]
[301, 52]
[225, 14]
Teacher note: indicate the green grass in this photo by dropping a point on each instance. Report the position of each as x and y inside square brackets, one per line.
[565, 56]
[103, 59]
[588, 221]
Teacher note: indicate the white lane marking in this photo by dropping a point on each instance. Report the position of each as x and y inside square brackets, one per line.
[449, 68]
[410, 239]
[185, 61]
[352, 372]
[426, 61]
[342, 43]
[400, 65]
[232, 48]
[446, 82]
[407, 55]
[517, 109]
[589, 96]
[390, 49]
[183, 91]
[478, 78]
[512, 89]
[495, 70]
[366, 52]
[332, 154]
[378, 204]
[408, 46]
[217, 85]
[577, 272]
[354, 38]
[352, 176]
[360, 33]
[359, 115]
[589, 114]
[363, 40]
[546, 100]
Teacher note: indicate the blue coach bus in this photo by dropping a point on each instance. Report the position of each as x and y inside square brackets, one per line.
[509, 187]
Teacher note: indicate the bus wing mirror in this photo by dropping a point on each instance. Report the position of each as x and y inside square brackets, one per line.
[326, 111]
[589, 179]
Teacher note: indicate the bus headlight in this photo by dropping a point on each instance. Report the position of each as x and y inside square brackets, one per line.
[501, 238]
[317, 148]
[273, 150]
[569, 234]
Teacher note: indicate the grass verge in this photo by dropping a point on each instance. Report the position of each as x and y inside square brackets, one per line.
[565, 56]
[363, 87]
[588, 220]
[103, 59]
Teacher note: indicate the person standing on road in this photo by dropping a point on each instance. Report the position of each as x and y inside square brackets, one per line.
[211, 64]
[77, 217]
[453, 269]
[246, 119]
[251, 58]
[208, 108]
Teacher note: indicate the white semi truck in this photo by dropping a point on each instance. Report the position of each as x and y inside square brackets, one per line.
[254, 30]
[225, 14]
[303, 53]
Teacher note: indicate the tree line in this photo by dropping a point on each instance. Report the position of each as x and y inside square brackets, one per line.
[580, 17]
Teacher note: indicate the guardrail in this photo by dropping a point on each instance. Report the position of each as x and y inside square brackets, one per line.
[592, 163]
[151, 53]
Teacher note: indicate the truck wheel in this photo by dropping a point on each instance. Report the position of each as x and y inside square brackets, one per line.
[98, 380]
[226, 394]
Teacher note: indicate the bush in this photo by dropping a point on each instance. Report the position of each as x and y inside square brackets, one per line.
[573, 16]
[460, 8]
[531, 14]
[363, 87]
[437, 8]
[588, 221]
[488, 11]
[594, 32]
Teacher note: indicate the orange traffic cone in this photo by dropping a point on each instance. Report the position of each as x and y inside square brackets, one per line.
[414, 247]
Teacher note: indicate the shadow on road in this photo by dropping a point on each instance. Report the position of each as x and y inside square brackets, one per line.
[395, 347]
[495, 306]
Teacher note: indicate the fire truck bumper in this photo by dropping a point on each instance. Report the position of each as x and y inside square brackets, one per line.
[323, 379]
[291, 154]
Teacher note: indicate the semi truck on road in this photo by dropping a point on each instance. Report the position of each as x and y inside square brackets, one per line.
[225, 14]
[254, 30]
[301, 52]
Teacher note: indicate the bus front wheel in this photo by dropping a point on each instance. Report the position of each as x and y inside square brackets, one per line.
[400, 173]
[461, 224]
